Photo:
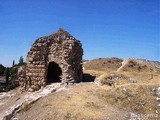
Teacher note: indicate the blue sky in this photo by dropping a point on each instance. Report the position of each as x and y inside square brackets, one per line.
[106, 28]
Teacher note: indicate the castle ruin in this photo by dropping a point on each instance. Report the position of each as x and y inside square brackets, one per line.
[53, 58]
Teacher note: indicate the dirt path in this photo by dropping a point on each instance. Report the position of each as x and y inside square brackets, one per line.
[125, 61]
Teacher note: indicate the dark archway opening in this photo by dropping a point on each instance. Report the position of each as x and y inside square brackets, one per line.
[53, 73]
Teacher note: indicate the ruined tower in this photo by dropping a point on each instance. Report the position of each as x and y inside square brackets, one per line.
[53, 58]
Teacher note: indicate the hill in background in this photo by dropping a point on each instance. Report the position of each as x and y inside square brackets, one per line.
[121, 87]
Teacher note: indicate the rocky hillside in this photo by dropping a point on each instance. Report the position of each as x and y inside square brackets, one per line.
[117, 64]
[119, 89]
[103, 64]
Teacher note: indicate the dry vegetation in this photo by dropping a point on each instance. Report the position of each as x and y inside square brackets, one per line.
[103, 64]
[140, 66]
[120, 92]
[132, 86]
[84, 101]
[88, 101]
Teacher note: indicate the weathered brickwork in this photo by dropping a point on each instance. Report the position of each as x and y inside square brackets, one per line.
[59, 55]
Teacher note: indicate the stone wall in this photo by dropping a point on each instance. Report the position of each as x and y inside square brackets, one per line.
[61, 48]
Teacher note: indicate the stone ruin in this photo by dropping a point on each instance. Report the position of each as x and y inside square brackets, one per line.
[53, 58]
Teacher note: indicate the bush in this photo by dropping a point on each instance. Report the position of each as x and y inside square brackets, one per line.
[2, 88]
[2, 69]
[11, 85]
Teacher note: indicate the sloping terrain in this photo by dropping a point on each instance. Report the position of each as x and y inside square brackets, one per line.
[117, 64]
[121, 88]
[122, 71]
[87, 101]
[82, 101]
[14, 101]
[134, 65]
[106, 64]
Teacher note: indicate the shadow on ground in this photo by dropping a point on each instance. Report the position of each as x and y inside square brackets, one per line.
[88, 77]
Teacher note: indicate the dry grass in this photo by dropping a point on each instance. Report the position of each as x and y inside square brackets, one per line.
[127, 95]
[136, 98]
[76, 103]
[87, 101]
[105, 64]
[140, 66]
[11, 99]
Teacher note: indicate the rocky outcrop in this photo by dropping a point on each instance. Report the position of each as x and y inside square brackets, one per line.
[57, 57]
[26, 100]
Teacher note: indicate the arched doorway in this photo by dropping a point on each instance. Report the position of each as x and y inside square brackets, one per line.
[53, 73]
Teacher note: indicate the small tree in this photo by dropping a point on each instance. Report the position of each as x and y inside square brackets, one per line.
[13, 63]
[13, 73]
[7, 73]
[2, 69]
[21, 61]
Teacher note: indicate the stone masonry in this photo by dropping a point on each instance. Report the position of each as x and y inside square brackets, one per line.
[53, 58]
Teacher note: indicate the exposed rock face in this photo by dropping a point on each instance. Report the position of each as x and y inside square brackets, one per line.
[53, 58]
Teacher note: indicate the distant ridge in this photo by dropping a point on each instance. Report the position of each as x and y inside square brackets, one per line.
[118, 64]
